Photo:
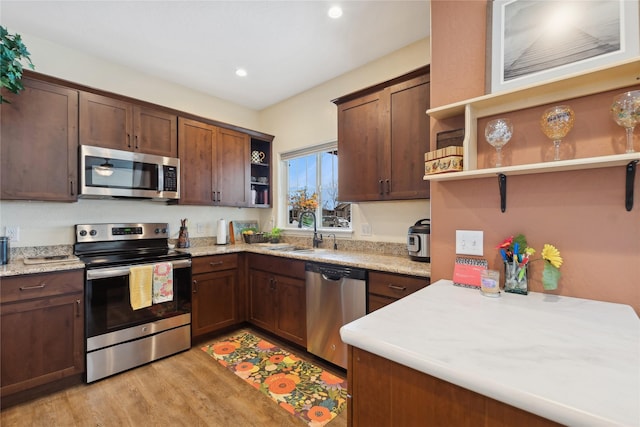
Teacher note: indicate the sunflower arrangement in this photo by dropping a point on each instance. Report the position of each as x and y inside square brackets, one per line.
[515, 249]
[301, 200]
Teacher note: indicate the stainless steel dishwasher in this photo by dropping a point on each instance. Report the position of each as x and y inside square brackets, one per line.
[336, 295]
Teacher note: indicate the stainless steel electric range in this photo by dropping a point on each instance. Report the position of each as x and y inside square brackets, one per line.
[121, 335]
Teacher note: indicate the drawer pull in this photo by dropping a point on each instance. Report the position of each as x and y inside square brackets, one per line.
[213, 264]
[195, 286]
[77, 308]
[396, 287]
[30, 288]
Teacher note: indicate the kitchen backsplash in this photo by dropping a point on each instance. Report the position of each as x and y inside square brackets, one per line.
[381, 248]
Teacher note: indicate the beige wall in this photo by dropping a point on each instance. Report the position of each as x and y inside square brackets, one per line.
[311, 118]
[582, 213]
[305, 119]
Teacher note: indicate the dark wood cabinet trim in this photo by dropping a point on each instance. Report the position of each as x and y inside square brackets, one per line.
[381, 86]
[65, 83]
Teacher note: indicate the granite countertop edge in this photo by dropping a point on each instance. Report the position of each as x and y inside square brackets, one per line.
[370, 261]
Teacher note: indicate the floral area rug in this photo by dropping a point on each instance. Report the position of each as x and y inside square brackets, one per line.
[301, 388]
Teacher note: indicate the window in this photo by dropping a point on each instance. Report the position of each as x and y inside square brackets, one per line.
[312, 184]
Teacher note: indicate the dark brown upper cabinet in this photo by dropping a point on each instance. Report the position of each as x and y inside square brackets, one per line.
[40, 143]
[121, 125]
[383, 133]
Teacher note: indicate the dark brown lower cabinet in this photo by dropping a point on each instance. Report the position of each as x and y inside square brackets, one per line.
[385, 288]
[41, 329]
[215, 293]
[277, 297]
[385, 393]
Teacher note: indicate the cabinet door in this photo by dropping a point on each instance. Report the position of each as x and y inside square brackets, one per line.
[156, 132]
[385, 288]
[215, 301]
[261, 299]
[291, 311]
[409, 139]
[40, 143]
[106, 122]
[232, 171]
[196, 141]
[42, 341]
[361, 142]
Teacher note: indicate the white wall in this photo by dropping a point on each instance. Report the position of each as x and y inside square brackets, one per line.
[306, 119]
[311, 118]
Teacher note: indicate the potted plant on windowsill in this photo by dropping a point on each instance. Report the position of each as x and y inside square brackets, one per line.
[12, 55]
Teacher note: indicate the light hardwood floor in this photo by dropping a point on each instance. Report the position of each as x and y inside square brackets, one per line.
[187, 389]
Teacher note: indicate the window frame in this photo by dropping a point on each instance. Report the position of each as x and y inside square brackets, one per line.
[283, 193]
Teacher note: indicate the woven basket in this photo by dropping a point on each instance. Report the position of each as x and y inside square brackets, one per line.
[255, 238]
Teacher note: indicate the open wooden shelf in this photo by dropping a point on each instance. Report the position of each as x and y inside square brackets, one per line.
[534, 168]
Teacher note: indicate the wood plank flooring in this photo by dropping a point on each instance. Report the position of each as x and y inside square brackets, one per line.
[187, 389]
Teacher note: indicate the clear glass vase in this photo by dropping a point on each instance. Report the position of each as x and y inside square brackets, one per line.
[515, 278]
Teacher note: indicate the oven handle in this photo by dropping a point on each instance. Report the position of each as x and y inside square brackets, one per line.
[103, 273]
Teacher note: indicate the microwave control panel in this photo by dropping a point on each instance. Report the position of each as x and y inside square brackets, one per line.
[170, 178]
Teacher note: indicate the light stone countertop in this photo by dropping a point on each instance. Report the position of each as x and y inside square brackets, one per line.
[369, 261]
[570, 360]
[387, 263]
[18, 267]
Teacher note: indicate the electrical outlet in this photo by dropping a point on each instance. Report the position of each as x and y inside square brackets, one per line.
[365, 229]
[469, 242]
[12, 232]
[200, 228]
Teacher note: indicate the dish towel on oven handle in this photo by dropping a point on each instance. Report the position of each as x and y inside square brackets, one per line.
[162, 282]
[140, 283]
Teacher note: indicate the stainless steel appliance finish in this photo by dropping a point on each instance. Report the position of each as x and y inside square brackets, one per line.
[106, 172]
[117, 336]
[418, 240]
[336, 295]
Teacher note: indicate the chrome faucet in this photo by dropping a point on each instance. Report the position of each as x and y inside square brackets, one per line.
[316, 240]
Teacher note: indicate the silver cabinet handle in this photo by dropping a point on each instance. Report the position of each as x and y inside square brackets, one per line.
[29, 288]
[396, 287]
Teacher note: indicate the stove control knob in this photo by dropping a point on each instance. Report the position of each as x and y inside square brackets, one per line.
[83, 233]
[164, 231]
[93, 232]
[157, 230]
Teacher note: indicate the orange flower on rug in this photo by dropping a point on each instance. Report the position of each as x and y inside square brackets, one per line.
[301, 388]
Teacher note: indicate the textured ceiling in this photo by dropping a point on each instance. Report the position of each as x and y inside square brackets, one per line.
[286, 47]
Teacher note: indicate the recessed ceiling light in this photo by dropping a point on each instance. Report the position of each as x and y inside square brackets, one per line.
[335, 12]
[241, 72]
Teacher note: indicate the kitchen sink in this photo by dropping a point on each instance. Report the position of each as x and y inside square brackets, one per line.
[297, 249]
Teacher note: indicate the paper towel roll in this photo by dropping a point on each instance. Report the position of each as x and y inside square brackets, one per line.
[221, 234]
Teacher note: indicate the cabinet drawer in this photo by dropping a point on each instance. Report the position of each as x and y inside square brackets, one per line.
[206, 264]
[395, 285]
[283, 266]
[21, 288]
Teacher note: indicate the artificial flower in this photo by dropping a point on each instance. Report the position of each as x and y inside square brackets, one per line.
[551, 254]
[506, 243]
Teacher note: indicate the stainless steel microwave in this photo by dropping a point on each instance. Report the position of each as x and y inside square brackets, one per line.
[105, 172]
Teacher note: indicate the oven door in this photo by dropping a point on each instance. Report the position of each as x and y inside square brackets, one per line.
[108, 305]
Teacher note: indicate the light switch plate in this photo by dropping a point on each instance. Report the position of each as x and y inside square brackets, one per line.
[469, 242]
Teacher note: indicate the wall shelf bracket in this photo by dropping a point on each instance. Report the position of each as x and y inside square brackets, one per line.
[631, 175]
[502, 185]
